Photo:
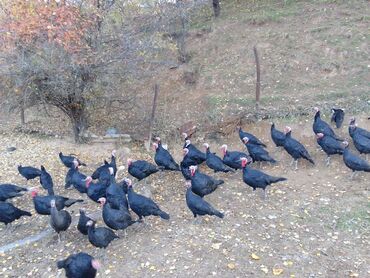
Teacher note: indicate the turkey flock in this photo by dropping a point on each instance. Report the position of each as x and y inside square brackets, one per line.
[118, 198]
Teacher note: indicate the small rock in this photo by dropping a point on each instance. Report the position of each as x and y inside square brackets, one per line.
[111, 131]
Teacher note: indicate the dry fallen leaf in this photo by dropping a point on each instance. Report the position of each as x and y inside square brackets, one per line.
[277, 271]
[288, 263]
[216, 245]
[255, 257]
[231, 266]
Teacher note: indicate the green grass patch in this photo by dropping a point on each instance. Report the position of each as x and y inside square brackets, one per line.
[259, 12]
[329, 1]
[331, 96]
[201, 19]
[272, 15]
[241, 101]
[357, 219]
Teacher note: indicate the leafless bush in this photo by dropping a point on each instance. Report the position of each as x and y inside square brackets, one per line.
[121, 43]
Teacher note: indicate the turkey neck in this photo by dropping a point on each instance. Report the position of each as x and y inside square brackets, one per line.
[54, 213]
[111, 179]
[90, 229]
[130, 191]
[245, 170]
[53, 210]
[188, 192]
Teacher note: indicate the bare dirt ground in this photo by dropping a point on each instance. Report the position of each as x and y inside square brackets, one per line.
[314, 225]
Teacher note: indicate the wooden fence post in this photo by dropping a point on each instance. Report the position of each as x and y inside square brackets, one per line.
[258, 81]
[151, 121]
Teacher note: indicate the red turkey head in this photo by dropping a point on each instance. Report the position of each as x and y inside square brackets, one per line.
[88, 180]
[244, 161]
[187, 143]
[320, 135]
[245, 140]
[128, 181]
[89, 223]
[34, 192]
[95, 264]
[111, 170]
[102, 201]
[287, 129]
[192, 169]
[352, 121]
[129, 162]
[155, 146]
[224, 149]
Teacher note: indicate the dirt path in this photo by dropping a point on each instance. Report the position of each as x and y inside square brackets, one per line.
[314, 225]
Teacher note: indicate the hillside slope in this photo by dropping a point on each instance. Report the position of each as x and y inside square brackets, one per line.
[311, 53]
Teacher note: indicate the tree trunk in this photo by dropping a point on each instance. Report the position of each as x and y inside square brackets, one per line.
[181, 48]
[23, 118]
[79, 125]
[258, 78]
[216, 7]
[180, 40]
[78, 129]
